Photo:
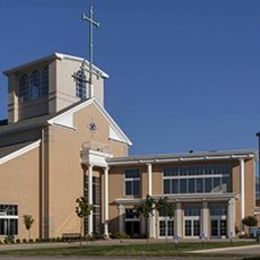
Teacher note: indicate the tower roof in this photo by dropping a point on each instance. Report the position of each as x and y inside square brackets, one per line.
[54, 56]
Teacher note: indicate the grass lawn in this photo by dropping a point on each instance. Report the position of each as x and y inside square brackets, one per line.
[124, 250]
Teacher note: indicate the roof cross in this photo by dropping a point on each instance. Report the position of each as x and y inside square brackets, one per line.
[92, 23]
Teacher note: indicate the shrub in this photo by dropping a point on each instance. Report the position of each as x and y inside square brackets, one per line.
[30, 240]
[24, 240]
[243, 235]
[121, 235]
[18, 241]
[89, 238]
[58, 239]
[9, 239]
[37, 240]
[250, 221]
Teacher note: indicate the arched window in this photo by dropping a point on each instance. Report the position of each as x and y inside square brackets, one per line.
[45, 82]
[35, 85]
[81, 84]
[24, 87]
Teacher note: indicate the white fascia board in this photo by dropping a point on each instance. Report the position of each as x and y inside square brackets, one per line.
[76, 58]
[20, 152]
[66, 119]
[55, 55]
[177, 159]
[117, 131]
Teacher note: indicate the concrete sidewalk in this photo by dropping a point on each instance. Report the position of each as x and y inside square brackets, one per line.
[238, 250]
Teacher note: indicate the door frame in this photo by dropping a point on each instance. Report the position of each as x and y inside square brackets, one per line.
[191, 218]
[218, 218]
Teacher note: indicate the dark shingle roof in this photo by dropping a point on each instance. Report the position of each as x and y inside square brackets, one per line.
[12, 148]
[33, 123]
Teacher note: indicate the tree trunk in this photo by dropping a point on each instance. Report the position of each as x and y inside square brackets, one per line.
[147, 230]
[80, 238]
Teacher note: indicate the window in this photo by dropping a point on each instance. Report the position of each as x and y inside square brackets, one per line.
[169, 231]
[131, 214]
[192, 211]
[207, 178]
[132, 182]
[80, 84]
[24, 87]
[8, 219]
[45, 82]
[218, 210]
[96, 204]
[35, 85]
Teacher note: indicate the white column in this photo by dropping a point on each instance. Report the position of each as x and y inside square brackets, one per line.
[150, 180]
[242, 189]
[205, 219]
[121, 215]
[152, 233]
[106, 199]
[91, 90]
[231, 218]
[149, 192]
[90, 198]
[178, 223]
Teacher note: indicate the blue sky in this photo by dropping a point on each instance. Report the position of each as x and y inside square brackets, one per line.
[183, 74]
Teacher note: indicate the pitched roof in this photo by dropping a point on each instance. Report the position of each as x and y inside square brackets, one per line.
[66, 119]
[34, 122]
[116, 132]
[12, 148]
[10, 152]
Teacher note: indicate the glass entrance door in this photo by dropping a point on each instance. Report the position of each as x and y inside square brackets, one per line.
[192, 227]
[218, 227]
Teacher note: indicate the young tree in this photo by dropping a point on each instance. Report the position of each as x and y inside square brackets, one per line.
[28, 221]
[146, 209]
[166, 210]
[83, 210]
[250, 221]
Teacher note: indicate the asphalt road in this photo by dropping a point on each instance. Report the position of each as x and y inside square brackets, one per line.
[112, 258]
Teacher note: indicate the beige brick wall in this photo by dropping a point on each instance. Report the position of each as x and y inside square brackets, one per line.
[20, 185]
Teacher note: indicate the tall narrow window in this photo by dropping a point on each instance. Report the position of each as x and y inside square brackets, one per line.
[81, 84]
[8, 219]
[24, 87]
[35, 85]
[132, 182]
[45, 82]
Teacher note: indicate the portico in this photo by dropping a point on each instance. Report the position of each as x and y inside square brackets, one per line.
[94, 154]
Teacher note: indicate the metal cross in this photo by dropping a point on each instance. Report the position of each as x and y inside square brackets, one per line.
[92, 22]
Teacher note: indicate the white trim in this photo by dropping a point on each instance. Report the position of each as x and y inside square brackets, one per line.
[106, 202]
[8, 217]
[55, 55]
[150, 178]
[242, 188]
[79, 59]
[20, 152]
[174, 158]
[90, 198]
[66, 119]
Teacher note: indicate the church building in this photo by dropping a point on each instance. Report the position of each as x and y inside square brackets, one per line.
[60, 143]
